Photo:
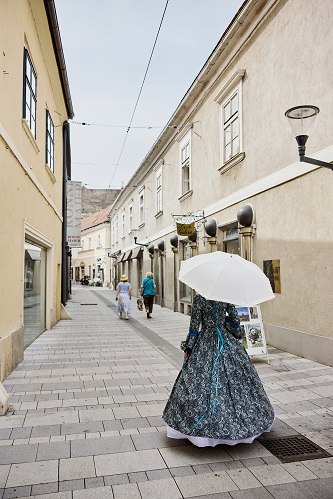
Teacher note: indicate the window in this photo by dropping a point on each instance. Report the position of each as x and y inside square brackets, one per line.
[29, 93]
[99, 242]
[82, 244]
[230, 121]
[142, 207]
[49, 142]
[231, 242]
[230, 99]
[116, 230]
[130, 217]
[123, 224]
[185, 165]
[89, 243]
[159, 198]
[112, 234]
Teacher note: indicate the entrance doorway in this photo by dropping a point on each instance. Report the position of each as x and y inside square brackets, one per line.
[34, 292]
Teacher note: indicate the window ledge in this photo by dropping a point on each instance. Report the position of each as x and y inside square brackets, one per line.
[159, 214]
[185, 196]
[29, 134]
[232, 162]
[50, 172]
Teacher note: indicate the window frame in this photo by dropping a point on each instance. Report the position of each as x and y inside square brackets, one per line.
[233, 86]
[229, 122]
[141, 193]
[123, 224]
[185, 141]
[159, 190]
[49, 140]
[31, 116]
[130, 217]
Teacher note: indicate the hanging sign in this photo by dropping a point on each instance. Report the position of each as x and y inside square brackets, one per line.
[252, 330]
[185, 229]
[74, 209]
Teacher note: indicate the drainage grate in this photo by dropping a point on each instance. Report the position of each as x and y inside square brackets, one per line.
[293, 448]
[83, 304]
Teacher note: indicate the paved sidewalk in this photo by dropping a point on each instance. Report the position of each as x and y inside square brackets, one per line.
[85, 419]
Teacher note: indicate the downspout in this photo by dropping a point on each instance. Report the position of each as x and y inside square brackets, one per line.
[65, 278]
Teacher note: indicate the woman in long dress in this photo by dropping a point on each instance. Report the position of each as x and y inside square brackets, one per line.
[124, 296]
[218, 397]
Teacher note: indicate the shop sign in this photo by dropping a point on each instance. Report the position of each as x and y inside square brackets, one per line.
[185, 229]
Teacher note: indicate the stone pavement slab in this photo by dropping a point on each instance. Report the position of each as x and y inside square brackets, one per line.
[33, 473]
[205, 484]
[161, 489]
[127, 462]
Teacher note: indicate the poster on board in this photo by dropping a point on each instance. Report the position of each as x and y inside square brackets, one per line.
[252, 330]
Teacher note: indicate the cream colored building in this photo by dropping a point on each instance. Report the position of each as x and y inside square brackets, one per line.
[93, 259]
[227, 153]
[35, 105]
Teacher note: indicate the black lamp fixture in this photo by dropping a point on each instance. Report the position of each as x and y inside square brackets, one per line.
[301, 119]
[140, 244]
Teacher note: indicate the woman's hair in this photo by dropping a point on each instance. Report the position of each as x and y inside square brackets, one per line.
[150, 274]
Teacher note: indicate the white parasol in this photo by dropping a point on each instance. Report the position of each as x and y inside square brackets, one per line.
[226, 277]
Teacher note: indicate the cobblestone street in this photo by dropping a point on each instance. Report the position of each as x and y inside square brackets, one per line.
[85, 417]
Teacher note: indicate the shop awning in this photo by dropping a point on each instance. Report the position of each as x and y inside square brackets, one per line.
[121, 258]
[136, 252]
[127, 255]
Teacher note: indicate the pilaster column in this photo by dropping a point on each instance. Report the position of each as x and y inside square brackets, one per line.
[247, 235]
[212, 241]
[175, 252]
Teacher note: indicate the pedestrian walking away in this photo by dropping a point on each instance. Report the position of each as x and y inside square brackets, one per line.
[124, 296]
[218, 397]
[148, 291]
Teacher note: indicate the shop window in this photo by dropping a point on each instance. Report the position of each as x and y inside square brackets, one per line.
[231, 240]
[34, 292]
[185, 291]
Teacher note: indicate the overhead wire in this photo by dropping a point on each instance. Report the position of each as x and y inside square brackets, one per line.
[139, 95]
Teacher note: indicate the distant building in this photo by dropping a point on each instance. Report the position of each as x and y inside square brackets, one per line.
[93, 259]
[227, 160]
[35, 105]
[94, 200]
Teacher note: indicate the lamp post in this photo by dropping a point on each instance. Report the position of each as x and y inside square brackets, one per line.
[301, 119]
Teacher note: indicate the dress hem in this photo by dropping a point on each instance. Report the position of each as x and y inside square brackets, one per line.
[211, 442]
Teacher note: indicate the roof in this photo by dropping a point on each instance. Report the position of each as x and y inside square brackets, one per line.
[59, 53]
[98, 218]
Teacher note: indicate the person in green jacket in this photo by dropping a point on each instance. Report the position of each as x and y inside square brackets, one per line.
[148, 291]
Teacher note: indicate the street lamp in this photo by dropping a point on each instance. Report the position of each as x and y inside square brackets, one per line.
[301, 119]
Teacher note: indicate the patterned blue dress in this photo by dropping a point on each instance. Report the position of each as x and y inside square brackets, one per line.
[217, 396]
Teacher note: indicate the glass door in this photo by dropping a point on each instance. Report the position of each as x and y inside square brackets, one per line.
[34, 291]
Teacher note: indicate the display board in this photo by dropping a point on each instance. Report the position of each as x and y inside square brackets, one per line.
[252, 330]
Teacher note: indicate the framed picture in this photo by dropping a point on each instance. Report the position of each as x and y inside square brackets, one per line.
[252, 330]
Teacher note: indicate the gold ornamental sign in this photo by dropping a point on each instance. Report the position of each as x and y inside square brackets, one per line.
[185, 229]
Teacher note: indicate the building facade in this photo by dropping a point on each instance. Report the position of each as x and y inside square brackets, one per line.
[93, 258]
[35, 105]
[227, 157]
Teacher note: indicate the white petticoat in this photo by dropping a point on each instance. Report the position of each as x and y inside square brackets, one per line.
[209, 442]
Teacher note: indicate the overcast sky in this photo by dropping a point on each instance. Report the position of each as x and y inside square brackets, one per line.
[107, 45]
